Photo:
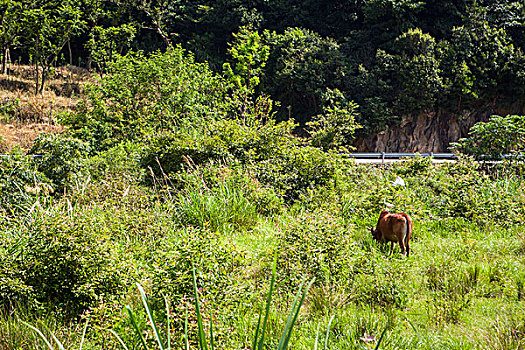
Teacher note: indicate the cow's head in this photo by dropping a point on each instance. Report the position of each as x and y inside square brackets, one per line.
[376, 234]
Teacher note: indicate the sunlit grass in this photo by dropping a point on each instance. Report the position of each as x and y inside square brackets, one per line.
[462, 287]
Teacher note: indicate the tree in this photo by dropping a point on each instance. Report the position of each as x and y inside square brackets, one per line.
[335, 127]
[141, 95]
[417, 71]
[158, 12]
[48, 31]
[479, 63]
[250, 55]
[106, 43]
[11, 14]
[495, 138]
[301, 66]
[508, 15]
[373, 89]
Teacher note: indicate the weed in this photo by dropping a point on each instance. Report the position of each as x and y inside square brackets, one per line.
[506, 332]
[450, 289]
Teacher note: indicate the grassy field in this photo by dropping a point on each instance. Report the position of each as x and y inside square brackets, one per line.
[461, 288]
[131, 193]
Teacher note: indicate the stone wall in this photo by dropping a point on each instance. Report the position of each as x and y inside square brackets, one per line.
[429, 131]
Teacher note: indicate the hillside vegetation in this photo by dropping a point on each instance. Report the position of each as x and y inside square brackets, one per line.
[165, 168]
[392, 59]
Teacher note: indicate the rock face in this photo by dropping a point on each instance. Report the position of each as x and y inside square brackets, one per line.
[428, 132]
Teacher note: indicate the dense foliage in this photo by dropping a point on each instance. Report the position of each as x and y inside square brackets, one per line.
[392, 58]
[496, 139]
[167, 168]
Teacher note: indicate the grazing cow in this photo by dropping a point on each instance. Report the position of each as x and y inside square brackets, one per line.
[394, 228]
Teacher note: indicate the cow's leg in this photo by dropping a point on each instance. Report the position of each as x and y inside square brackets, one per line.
[391, 248]
[408, 249]
[402, 246]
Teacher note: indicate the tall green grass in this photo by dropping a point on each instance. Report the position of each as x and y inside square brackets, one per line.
[218, 208]
[462, 288]
[164, 342]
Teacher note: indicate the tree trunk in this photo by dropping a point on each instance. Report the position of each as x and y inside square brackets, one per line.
[43, 80]
[90, 56]
[4, 60]
[70, 53]
[8, 58]
[36, 65]
[164, 37]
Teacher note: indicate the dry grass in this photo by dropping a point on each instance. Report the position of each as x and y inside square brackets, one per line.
[24, 115]
[23, 134]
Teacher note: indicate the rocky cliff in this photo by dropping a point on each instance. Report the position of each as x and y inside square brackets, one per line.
[430, 131]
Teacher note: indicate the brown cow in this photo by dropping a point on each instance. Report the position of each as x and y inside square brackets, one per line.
[394, 228]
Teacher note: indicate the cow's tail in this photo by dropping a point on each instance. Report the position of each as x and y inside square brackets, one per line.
[409, 228]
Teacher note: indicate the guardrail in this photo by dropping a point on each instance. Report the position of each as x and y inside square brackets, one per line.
[384, 155]
[32, 156]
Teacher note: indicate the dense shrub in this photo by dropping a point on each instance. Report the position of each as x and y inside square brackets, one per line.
[21, 183]
[297, 169]
[59, 157]
[383, 289]
[335, 127]
[321, 246]
[58, 262]
[141, 95]
[413, 166]
[314, 246]
[226, 140]
[121, 161]
[215, 262]
[493, 139]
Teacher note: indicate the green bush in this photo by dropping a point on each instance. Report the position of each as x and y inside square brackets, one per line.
[413, 166]
[140, 95]
[169, 153]
[59, 262]
[381, 289]
[335, 127]
[21, 184]
[59, 157]
[314, 246]
[477, 197]
[9, 110]
[225, 140]
[296, 169]
[123, 160]
[217, 264]
[493, 139]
